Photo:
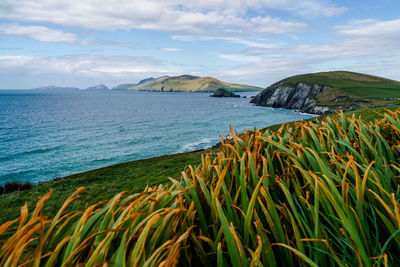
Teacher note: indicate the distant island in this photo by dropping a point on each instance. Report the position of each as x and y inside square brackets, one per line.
[55, 88]
[184, 83]
[100, 87]
[221, 92]
[327, 92]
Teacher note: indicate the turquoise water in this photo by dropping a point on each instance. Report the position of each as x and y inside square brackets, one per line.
[44, 135]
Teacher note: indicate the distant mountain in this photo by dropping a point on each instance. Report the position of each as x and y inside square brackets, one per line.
[145, 80]
[56, 88]
[100, 87]
[185, 83]
[123, 86]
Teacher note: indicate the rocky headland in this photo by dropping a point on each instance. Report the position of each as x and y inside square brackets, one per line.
[328, 92]
[300, 97]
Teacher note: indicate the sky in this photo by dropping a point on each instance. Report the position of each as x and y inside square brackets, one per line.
[81, 43]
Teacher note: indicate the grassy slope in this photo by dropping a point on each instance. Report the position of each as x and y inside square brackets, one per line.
[352, 87]
[106, 182]
[191, 83]
[101, 183]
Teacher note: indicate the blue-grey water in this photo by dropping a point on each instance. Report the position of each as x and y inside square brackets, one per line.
[44, 135]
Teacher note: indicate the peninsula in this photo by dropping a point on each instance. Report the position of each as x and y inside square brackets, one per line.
[184, 83]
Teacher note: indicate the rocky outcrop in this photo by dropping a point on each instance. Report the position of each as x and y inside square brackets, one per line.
[224, 93]
[300, 97]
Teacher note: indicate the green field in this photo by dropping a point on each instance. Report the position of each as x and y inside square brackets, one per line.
[356, 86]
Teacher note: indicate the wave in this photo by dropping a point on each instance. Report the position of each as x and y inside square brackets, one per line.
[30, 152]
[201, 144]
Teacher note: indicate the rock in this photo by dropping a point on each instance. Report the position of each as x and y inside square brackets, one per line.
[221, 92]
[300, 96]
[244, 96]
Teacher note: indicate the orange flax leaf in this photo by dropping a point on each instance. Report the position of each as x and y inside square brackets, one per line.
[385, 206]
[24, 215]
[396, 209]
[40, 204]
[5, 225]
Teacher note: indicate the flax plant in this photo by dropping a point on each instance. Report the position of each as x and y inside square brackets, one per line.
[313, 193]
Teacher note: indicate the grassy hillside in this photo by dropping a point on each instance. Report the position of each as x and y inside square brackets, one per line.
[124, 86]
[100, 183]
[189, 83]
[321, 193]
[348, 87]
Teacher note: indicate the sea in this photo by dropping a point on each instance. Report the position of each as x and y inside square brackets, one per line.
[50, 134]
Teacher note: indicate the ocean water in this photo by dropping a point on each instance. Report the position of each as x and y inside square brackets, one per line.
[44, 135]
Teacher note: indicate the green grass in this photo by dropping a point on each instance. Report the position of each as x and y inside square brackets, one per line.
[101, 183]
[131, 176]
[369, 92]
[345, 79]
[354, 85]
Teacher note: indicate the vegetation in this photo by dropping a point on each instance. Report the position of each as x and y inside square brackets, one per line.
[311, 193]
[188, 83]
[347, 88]
[357, 83]
[14, 186]
[101, 183]
[124, 86]
[132, 176]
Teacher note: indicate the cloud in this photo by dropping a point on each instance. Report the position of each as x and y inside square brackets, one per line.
[239, 58]
[39, 33]
[243, 41]
[80, 70]
[305, 8]
[172, 49]
[366, 46]
[371, 28]
[189, 16]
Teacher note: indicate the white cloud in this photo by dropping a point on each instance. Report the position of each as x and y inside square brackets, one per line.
[371, 28]
[239, 58]
[368, 46]
[189, 16]
[79, 68]
[304, 8]
[249, 43]
[39, 33]
[172, 49]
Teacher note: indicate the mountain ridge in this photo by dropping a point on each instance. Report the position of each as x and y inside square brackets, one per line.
[184, 83]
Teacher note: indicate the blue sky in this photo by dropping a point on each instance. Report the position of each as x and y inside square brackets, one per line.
[81, 43]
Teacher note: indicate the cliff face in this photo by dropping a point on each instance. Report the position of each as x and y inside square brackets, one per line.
[300, 97]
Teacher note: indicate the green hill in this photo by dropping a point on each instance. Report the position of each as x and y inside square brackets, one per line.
[352, 83]
[185, 83]
[327, 92]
